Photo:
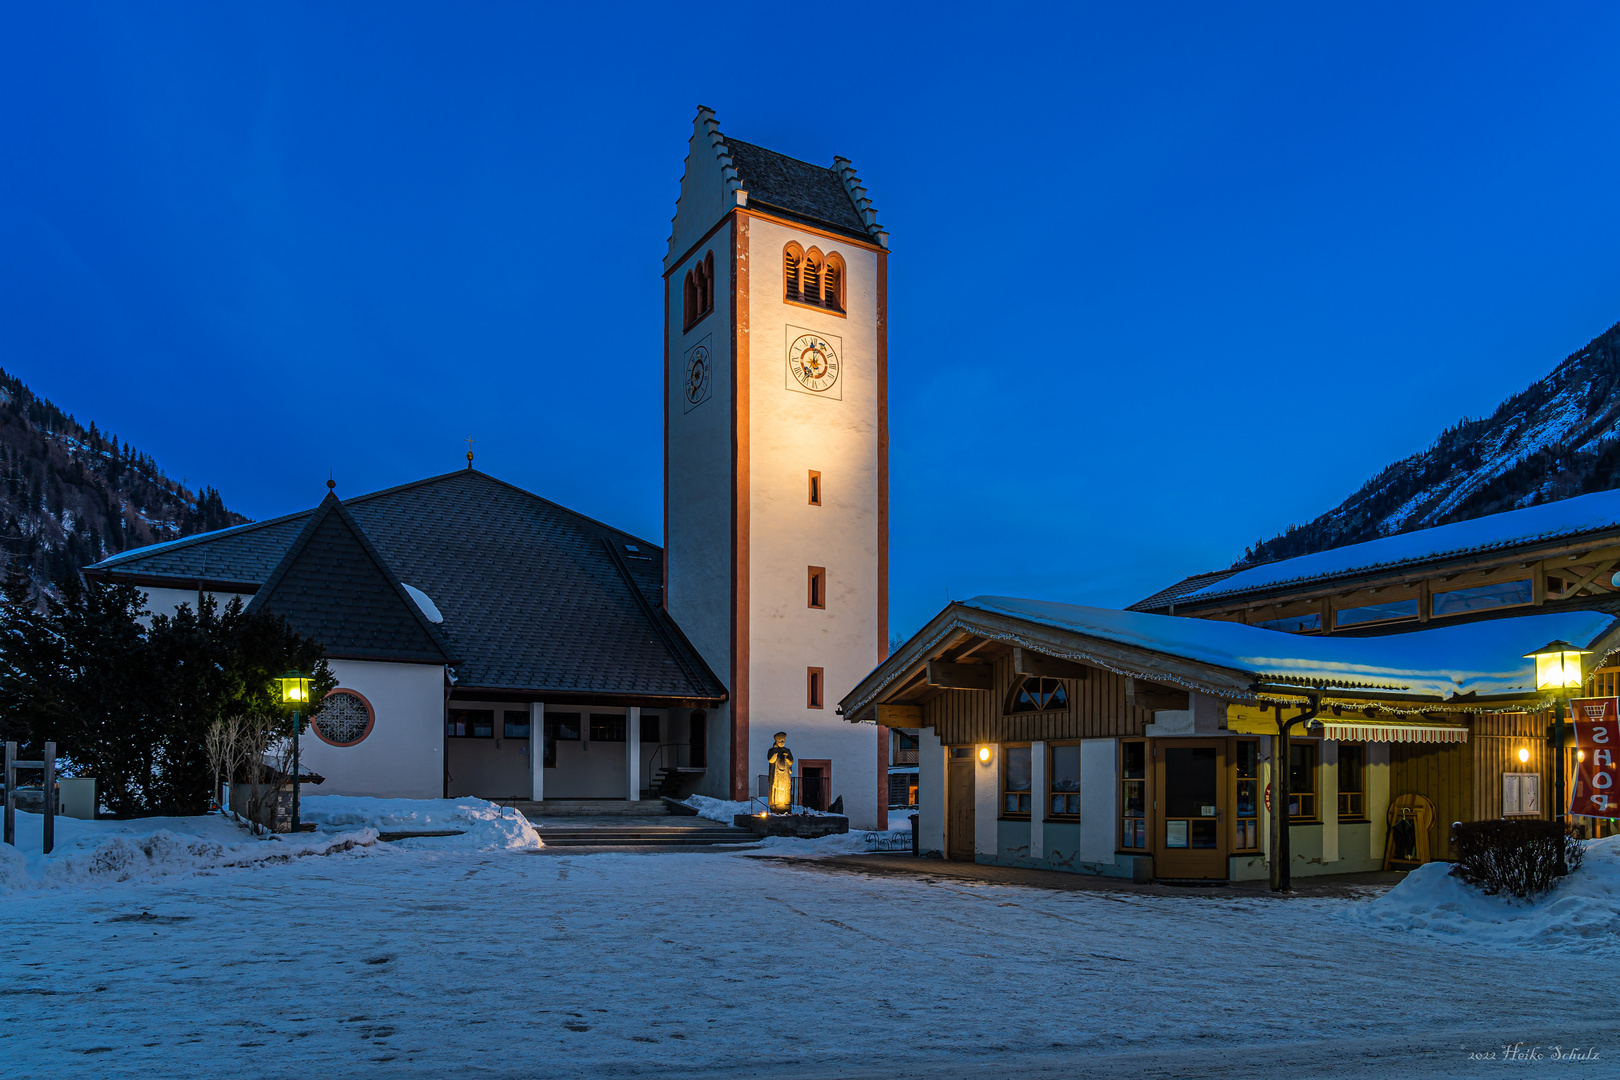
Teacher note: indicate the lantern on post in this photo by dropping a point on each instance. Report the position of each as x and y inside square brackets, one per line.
[295, 696]
[1558, 672]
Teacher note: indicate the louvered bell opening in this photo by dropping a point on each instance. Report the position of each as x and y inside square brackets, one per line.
[790, 274]
[829, 288]
[812, 282]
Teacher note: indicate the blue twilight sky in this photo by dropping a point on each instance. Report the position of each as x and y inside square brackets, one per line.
[1165, 277]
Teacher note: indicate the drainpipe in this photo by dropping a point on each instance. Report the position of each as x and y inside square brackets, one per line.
[1281, 858]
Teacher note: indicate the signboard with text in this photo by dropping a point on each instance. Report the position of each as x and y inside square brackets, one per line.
[1596, 790]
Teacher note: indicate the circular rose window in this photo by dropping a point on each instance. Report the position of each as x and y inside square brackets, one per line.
[344, 718]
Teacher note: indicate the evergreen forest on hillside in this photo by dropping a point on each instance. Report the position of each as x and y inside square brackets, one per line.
[71, 496]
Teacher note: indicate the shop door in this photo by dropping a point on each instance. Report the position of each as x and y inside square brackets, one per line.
[1192, 841]
[959, 816]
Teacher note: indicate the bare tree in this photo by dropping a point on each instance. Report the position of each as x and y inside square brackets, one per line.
[215, 744]
[258, 733]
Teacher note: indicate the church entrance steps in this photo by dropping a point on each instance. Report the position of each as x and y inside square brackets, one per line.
[557, 834]
[650, 808]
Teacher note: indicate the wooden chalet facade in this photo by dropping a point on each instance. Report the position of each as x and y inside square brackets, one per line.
[1140, 743]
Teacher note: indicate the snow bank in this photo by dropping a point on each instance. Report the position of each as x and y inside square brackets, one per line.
[90, 853]
[485, 826]
[1584, 910]
[853, 842]
[725, 810]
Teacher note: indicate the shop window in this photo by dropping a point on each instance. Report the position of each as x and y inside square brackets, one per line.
[515, 724]
[1016, 778]
[815, 488]
[649, 729]
[344, 718]
[1376, 613]
[1063, 781]
[1482, 597]
[607, 728]
[1246, 818]
[1133, 795]
[1038, 695]
[471, 724]
[818, 587]
[1302, 781]
[813, 678]
[1352, 782]
[559, 727]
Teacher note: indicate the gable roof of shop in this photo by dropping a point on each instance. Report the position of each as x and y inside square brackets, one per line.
[1567, 519]
[1230, 660]
[533, 596]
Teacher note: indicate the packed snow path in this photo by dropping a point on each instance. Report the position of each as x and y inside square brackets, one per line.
[402, 961]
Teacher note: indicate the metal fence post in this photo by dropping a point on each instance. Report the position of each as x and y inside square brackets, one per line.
[11, 794]
[50, 796]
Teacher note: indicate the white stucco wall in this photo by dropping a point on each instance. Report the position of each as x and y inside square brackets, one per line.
[167, 601]
[791, 433]
[403, 757]
[986, 795]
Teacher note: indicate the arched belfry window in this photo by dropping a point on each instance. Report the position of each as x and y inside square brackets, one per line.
[809, 277]
[1037, 695]
[697, 291]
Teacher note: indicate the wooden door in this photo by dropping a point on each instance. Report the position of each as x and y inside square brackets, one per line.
[1193, 815]
[959, 797]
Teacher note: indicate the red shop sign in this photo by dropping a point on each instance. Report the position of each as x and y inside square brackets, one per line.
[1596, 791]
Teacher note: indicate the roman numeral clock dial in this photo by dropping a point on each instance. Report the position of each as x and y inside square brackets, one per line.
[813, 362]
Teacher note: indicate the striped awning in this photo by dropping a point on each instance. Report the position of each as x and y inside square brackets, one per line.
[1370, 732]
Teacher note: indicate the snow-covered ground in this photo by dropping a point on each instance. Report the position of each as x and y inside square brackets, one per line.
[489, 957]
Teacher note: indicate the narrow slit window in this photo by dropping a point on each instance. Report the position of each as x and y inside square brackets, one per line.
[818, 586]
[815, 488]
[813, 680]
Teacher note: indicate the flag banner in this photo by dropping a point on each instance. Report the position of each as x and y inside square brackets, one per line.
[1596, 791]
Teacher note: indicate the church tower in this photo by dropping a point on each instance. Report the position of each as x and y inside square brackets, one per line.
[776, 460]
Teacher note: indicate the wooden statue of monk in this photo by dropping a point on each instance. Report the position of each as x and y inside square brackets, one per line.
[780, 759]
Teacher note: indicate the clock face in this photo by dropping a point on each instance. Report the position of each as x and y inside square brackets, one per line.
[695, 385]
[813, 362]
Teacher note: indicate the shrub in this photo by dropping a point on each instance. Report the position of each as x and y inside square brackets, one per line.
[1519, 856]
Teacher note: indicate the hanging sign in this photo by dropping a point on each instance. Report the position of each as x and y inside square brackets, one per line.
[1596, 791]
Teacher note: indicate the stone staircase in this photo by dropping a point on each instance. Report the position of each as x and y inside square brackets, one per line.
[553, 808]
[698, 834]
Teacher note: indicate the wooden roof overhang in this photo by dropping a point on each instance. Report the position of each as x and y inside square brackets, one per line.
[961, 637]
[1410, 573]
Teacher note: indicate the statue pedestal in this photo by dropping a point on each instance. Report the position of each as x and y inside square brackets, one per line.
[807, 826]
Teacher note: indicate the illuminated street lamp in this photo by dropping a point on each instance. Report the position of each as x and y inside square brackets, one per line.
[295, 695]
[1558, 671]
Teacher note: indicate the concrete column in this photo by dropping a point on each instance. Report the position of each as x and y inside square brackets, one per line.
[1265, 796]
[1328, 786]
[931, 769]
[986, 798]
[537, 750]
[1376, 795]
[1037, 800]
[1099, 800]
[632, 749]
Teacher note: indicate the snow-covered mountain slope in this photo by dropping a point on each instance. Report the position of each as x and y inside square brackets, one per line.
[1558, 438]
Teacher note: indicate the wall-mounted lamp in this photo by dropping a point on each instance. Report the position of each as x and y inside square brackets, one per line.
[984, 755]
[1524, 755]
[1580, 755]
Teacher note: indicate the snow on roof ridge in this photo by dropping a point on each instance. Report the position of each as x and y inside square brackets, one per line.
[1564, 517]
[1443, 661]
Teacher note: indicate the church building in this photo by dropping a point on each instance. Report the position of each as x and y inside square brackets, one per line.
[488, 642]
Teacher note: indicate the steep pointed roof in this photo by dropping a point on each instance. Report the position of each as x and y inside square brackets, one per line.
[534, 596]
[333, 586]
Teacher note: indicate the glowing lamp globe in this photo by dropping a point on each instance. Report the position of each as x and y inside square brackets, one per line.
[1558, 666]
[984, 755]
[294, 689]
[1524, 755]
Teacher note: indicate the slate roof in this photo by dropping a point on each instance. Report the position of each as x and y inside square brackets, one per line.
[534, 596]
[333, 586]
[810, 193]
[1161, 600]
